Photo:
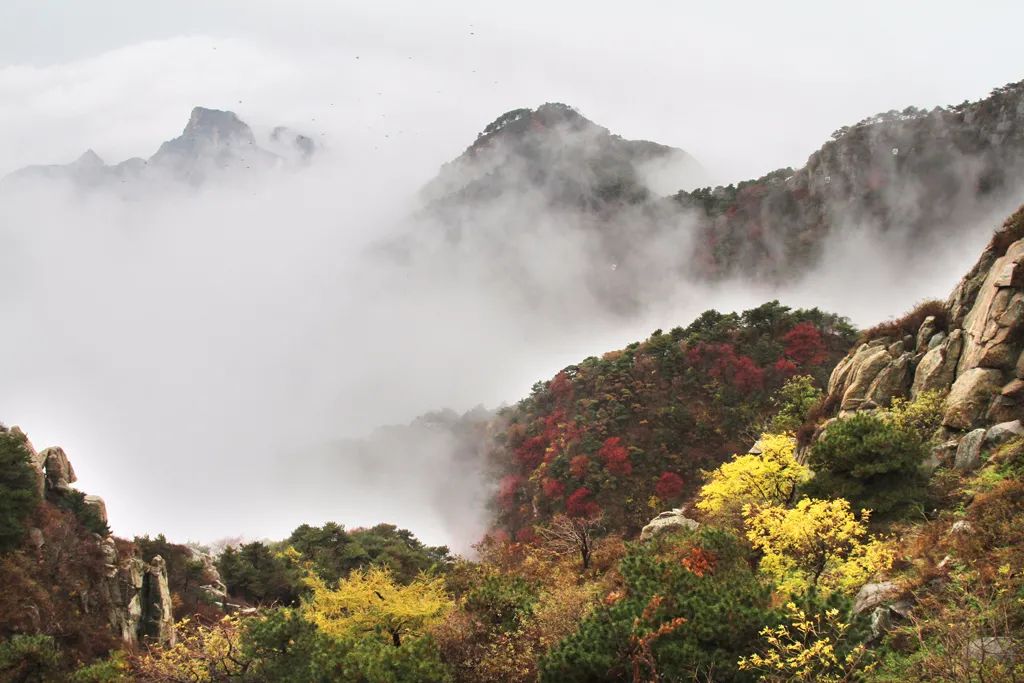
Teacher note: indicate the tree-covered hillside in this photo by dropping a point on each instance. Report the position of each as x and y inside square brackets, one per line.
[626, 435]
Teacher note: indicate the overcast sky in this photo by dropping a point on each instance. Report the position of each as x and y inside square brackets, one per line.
[744, 86]
[182, 431]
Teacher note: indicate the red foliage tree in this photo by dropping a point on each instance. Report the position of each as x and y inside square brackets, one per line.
[508, 487]
[579, 504]
[526, 535]
[531, 452]
[803, 345]
[720, 361]
[669, 486]
[578, 466]
[746, 375]
[561, 386]
[616, 457]
[785, 367]
[499, 536]
[553, 488]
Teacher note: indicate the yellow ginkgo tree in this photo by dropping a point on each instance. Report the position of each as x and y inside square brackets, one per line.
[816, 543]
[371, 602]
[764, 479]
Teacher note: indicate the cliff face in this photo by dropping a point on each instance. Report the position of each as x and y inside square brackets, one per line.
[112, 579]
[972, 348]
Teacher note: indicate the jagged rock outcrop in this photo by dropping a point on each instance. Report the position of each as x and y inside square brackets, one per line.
[937, 368]
[59, 473]
[672, 519]
[136, 594]
[873, 375]
[978, 359]
[99, 506]
[970, 397]
[994, 325]
[214, 588]
[157, 618]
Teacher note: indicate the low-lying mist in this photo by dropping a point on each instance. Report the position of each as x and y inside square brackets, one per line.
[220, 361]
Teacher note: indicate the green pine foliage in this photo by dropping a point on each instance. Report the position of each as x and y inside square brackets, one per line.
[502, 601]
[30, 659]
[18, 492]
[335, 552]
[261, 574]
[870, 461]
[675, 621]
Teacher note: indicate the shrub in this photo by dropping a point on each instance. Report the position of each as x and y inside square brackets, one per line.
[921, 415]
[909, 323]
[74, 502]
[29, 659]
[815, 647]
[793, 403]
[113, 669]
[871, 462]
[502, 601]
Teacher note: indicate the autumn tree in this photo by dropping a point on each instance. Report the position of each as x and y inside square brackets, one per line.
[616, 457]
[669, 486]
[203, 653]
[804, 345]
[765, 479]
[819, 647]
[815, 543]
[567, 535]
[580, 504]
[370, 601]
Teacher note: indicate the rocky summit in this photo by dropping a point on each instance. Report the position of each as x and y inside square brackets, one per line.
[214, 144]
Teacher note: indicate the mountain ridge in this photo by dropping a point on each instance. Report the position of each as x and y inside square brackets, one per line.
[212, 142]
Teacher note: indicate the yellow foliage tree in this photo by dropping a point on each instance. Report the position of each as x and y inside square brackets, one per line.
[371, 601]
[808, 649]
[762, 480]
[202, 654]
[816, 543]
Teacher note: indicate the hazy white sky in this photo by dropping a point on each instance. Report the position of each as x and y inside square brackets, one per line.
[185, 352]
[745, 86]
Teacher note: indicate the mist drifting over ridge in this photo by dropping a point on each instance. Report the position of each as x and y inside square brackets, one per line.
[218, 342]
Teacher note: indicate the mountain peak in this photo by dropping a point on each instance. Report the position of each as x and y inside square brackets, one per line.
[216, 124]
[89, 158]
